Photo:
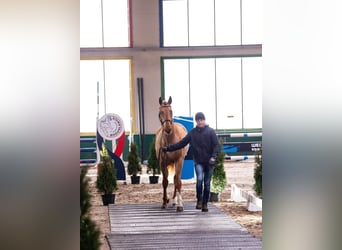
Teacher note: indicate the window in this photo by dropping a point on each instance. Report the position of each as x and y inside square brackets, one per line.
[211, 22]
[201, 22]
[227, 22]
[113, 77]
[229, 99]
[251, 22]
[176, 75]
[104, 23]
[175, 29]
[227, 90]
[252, 92]
[202, 85]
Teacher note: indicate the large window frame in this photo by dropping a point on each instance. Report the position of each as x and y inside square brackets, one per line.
[105, 24]
[105, 88]
[102, 20]
[207, 84]
[210, 22]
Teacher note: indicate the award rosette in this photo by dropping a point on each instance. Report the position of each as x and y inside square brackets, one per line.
[110, 126]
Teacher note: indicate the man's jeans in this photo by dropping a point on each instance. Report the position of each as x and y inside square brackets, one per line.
[203, 175]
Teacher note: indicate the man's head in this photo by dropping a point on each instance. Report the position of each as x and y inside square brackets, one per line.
[200, 119]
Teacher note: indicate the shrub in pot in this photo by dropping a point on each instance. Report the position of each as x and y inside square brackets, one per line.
[153, 164]
[106, 181]
[134, 165]
[218, 180]
[89, 232]
[258, 173]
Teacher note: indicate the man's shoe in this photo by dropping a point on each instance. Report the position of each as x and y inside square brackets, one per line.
[204, 207]
[199, 205]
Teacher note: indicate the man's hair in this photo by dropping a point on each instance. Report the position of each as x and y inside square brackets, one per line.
[199, 116]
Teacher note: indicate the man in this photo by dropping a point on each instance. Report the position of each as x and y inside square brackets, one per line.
[205, 147]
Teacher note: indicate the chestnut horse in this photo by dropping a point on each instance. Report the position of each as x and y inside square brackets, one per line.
[169, 133]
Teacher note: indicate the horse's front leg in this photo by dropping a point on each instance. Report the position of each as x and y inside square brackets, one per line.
[165, 184]
[178, 188]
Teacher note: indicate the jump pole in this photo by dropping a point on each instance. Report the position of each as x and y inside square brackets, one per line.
[97, 118]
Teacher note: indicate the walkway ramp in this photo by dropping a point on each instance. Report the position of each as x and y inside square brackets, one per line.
[147, 226]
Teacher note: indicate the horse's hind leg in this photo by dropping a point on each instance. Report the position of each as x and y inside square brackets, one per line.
[178, 188]
[174, 199]
[179, 201]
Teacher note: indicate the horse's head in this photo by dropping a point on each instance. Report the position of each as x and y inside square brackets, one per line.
[165, 114]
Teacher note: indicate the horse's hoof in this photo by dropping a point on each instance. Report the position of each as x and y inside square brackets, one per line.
[163, 206]
[180, 209]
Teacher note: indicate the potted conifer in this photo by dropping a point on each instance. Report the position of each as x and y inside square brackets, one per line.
[106, 181]
[134, 166]
[258, 173]
[218, 180]
[153, 164]
[89, 232]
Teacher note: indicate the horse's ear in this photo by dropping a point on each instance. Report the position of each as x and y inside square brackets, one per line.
[170, 100]
[160, 100]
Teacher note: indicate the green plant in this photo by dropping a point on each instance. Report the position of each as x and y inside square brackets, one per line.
[218, 180]
[258, 173]
[152, 162]
[134, 166]
[106, 180]
[89, 233]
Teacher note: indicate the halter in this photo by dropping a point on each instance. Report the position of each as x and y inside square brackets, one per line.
[162, 122]
[166, 120]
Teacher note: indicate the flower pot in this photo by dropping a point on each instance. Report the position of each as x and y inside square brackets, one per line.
[135, 179]
[154, 179]
[214, 197]
[108, 199]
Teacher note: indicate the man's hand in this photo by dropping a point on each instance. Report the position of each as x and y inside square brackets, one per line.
[164, 149]
[212, 161]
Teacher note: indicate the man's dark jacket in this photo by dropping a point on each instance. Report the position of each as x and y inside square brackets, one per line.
[204, 144]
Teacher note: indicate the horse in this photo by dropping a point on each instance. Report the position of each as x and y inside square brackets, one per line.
[169, 133]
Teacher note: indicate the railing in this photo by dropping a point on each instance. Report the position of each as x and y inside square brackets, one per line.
[240, 145]
[88, 154]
